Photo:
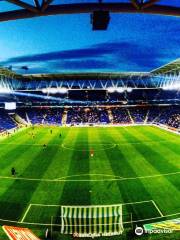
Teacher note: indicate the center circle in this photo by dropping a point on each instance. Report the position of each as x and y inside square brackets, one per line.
[89, 147]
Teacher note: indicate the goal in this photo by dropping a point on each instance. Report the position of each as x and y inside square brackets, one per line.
[92, 220]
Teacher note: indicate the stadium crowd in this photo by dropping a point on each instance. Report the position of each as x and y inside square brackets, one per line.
[6, 122]
[166, 115]
[87, 115]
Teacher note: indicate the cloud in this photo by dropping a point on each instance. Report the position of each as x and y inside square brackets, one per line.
[124, 55]
[89, 52]
[83, 64]
[124, 49]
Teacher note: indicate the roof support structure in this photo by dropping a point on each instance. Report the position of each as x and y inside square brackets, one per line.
[46, 9]
[37, 4]
[45, 4]
[149, 3]
[22, 4]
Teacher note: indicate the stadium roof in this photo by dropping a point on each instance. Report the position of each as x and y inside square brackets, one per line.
[170, 68]
[85, 76]
[6, 72]
[20, 9]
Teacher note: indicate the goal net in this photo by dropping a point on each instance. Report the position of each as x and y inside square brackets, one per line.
[96, 220]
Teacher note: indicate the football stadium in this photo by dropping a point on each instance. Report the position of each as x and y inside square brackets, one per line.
[89, 120]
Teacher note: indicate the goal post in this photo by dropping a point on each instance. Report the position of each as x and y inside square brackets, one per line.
[92, 220]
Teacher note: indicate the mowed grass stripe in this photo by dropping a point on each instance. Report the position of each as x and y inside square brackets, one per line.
[118, 158]
[40, 162]
[77, 193]
[48, 193]
[134, 158]
[164, 133]
[45, 188]
[160, 187]
[160, 158]
[10, 153]
[151, 152]
[99, 164]
[18, 134]
[19, 161]
[164, 193]
[154, 155]
[16, 198]
[160, 190]
[173, 146]
[129, 191]
[22, 157]
[60, 161]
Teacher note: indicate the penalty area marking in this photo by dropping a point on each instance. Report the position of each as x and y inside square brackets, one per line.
[155, 205]
[48, 224]
[90, 206]
[26, 212]
[78, 206]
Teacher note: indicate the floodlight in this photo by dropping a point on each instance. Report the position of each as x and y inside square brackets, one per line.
[111, 89]
[174, 86]
[44, 90]
[129, 89]
[5, 90]
[54, 90]
[62, 90]
[120, 90]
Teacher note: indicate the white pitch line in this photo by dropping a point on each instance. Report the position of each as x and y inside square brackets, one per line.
[90, 174]
[29, 179]
[63, 179]
[45, 205]
[151, 176]
[159, 211]
[25, 214]
[89, 206]
[154, 218]
[131, 203]
[41, 224]
[49, 224]
[106, 147]
[88, 144]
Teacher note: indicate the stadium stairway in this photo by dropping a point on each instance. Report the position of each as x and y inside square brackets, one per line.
[132, 120]
[19, 120]
[146, 118]
[156, 119]
[27, 118]
[64, 117]
[110, 116]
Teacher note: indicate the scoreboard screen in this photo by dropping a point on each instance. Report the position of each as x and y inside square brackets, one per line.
[10, 105]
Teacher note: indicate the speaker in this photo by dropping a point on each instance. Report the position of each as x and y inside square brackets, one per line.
[100, 20]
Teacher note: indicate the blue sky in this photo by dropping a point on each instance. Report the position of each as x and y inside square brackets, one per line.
[67, 43]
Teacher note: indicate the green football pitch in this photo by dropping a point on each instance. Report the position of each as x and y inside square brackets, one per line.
[137, 167]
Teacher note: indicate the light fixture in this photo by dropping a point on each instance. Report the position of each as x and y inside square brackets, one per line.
[120, 89]
[174, 86]
[5, 90]
[111, 89]
[129, 89]
[54, 90]
[62, 90]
